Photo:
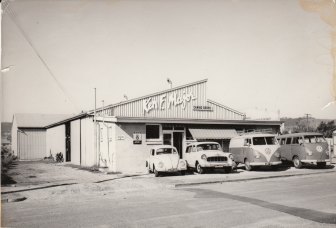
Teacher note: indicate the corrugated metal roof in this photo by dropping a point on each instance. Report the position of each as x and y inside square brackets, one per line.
[29, 120]
[198, 133]
[150, 95]
[194, 121]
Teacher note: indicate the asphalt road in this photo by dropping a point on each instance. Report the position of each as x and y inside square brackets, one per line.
[303, 201]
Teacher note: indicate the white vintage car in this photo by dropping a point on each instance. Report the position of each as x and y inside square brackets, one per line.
[164, 159]
[208, 155]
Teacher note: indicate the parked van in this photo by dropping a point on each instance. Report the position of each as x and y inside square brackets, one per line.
[255, 150]
[304, 148]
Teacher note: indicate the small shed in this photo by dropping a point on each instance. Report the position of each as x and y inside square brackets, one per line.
[29, 134]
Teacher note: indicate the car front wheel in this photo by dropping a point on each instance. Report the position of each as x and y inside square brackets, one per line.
[199, 168]
[248, 166]
[156, 173]
[297, 163]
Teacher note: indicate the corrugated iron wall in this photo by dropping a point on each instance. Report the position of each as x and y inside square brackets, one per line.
[75, 142]
[192, 95]
[136, 108]
[56, 140]
[220, 112]
[31, 144]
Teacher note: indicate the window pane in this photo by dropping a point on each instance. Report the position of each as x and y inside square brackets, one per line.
[152, 131]
[178, 128]
[314, 139]
[270, 140]
[208, 147]
[259, 141]
[166, 151]
[167, 127]
[295, 140]
[288, 140]
[167, 138]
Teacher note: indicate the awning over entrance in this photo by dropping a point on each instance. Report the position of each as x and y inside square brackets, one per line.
[212, 133]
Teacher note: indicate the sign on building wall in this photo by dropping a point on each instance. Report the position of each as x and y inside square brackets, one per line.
[137, 138]
[203, 108]
[166, 102]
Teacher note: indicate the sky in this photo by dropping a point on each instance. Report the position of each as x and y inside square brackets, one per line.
[256, 54]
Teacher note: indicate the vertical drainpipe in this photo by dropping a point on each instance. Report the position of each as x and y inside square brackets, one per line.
[80, 141]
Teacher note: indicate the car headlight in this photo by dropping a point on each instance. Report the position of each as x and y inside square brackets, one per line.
[204, 157]
[231, 156]
[160, 164]
[182, 163]
[277, 154]
[256, 154]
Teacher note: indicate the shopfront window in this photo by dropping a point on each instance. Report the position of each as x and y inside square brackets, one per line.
[167, 139]
[167, 127]
[152, 132]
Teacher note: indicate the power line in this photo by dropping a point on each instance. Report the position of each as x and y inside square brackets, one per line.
[307, 117]
[10, 12]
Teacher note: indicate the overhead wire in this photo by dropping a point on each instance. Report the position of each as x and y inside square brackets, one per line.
[12, 15]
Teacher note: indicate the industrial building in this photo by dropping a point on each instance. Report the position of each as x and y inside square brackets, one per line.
[125, 132]
[29, 134]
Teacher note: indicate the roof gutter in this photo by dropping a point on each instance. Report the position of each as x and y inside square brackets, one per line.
[80, 116]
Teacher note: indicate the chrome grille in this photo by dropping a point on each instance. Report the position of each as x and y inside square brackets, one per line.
[217, 159]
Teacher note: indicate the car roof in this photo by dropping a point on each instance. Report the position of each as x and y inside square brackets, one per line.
[254, 135]
[299, 134]
[162, 146]
[198, 143]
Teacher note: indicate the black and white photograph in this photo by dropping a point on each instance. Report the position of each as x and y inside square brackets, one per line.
[168, 113]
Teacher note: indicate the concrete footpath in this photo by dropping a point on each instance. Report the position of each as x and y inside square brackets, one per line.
[34, 175]
[40, 177]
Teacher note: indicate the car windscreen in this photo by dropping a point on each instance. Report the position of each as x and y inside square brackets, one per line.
[264, 140]
[166, 151]
[271, 140]
[314, 139]
[210, 146]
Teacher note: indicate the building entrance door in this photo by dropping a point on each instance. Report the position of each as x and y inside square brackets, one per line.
[67, 142]
[178, 142]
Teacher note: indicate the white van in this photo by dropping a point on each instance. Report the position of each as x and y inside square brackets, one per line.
[255, 150]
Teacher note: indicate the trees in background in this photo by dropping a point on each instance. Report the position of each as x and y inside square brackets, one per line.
[295, 125]
[326, 128]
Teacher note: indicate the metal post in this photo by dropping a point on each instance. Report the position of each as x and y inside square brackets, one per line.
[103, 112]
[95, 127]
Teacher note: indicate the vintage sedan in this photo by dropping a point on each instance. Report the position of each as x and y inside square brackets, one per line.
[165, 159]
[208, 155]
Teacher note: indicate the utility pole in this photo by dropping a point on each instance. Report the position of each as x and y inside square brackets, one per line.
[95, 127]
[307, 117]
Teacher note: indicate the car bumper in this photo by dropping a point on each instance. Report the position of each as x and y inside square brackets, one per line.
[216, 165]
[265, 163]
[172, 170]
[315, 162]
